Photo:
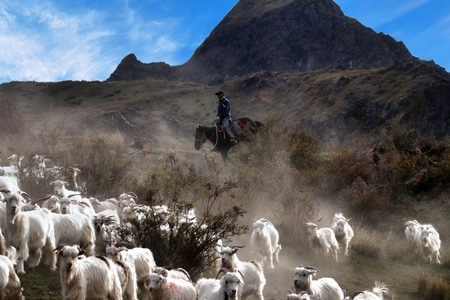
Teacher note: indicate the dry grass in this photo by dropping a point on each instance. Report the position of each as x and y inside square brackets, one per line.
[432, 287]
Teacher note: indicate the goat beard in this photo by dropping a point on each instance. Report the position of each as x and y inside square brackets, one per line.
[13, 215]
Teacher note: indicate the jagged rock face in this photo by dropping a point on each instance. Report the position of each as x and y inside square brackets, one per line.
[281, 36]
[293, 36]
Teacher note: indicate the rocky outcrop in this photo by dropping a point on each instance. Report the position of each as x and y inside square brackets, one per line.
[130, 68]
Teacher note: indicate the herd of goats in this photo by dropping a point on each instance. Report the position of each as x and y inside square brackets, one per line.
[75, 230]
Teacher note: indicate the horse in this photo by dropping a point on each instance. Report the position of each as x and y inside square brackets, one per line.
[243, 128]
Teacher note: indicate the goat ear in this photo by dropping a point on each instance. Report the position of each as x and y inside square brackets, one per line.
[163, 279]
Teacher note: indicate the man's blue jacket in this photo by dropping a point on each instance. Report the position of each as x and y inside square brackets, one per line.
[223, 108]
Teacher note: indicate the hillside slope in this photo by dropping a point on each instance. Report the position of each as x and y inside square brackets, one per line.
[335, 103]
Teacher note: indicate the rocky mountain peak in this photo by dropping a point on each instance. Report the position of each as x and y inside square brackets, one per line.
[280, 36]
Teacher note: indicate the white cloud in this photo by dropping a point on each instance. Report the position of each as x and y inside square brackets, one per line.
[57, 46]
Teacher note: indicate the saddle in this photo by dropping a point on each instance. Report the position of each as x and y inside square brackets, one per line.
[236, 126]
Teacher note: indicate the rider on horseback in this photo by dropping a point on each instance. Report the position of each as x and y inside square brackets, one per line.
[224, 114]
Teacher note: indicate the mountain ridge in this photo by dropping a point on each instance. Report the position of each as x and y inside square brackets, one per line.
[279, 36]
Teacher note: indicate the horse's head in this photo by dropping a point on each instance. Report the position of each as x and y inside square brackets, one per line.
[199, 137]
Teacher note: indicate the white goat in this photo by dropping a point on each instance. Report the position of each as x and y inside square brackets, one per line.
[426, 238]
[127, 198]
[71, 229]
[377, 293]
[9, 281]
[29, 232]
[323, 239]
[59, 188]
[141, 258]
[252, 272]
[264, 242]
[127, 276]
[93, 277]
[3, 249]
[166, 288]
[52, 204]
[73, 206]
[326, 288]
[430, 243]
[412, 231]
[134, 212]
[106, 224]
[178, 273]
[100, 206]
[342, 231]
[228, 287]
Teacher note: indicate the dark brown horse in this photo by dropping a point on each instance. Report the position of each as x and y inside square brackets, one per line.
[243, 128]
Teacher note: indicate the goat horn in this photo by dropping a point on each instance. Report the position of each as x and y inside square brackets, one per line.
[319, 220]
[312, 268]
[25, 195]
[71, 195]
[42, 199]
[133, 194]
[184, 271]
[220, 271]
[84, 248]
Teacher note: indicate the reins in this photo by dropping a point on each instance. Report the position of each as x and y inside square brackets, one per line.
[217, 138]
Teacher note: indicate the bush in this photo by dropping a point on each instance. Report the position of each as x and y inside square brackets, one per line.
[106, 168]
[182, 187]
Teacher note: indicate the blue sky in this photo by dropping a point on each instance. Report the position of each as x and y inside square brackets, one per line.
[55, 40]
